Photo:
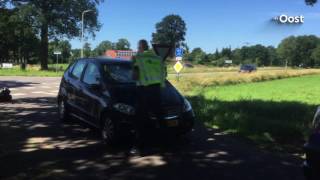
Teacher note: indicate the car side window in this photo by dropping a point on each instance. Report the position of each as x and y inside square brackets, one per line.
[78, 68]
[91, 75]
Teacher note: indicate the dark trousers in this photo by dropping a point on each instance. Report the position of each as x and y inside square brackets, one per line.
[148, 104]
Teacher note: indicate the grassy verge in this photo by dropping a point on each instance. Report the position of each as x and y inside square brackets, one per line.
[271, 113]
[211, 69]
[34, 70]
[231, 78]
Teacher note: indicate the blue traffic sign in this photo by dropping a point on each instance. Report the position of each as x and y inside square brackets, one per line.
[179, 52]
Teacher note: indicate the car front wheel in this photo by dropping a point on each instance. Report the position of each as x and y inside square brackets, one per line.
[108, 131]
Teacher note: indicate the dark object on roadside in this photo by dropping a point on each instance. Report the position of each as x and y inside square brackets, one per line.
[311, 166]
[247, 68]
[188, 65]
[23, 66]
[102, 93]
[5, 95]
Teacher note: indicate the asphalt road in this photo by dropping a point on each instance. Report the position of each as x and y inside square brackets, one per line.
[35, 145]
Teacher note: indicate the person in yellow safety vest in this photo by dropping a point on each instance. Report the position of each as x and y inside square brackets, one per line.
[148, 67]
[149, 73]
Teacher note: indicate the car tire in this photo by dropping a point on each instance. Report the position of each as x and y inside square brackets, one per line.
[63, 111]
[109, 132]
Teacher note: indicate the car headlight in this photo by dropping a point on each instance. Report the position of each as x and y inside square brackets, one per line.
[316, 120]
[186, 105]
[124, 108]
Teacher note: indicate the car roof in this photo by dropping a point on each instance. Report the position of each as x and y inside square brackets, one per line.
[107, 60]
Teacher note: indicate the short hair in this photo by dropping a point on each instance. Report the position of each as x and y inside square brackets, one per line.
[144, 44]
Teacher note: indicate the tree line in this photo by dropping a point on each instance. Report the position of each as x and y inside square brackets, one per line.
[294, 51]
[68, 54]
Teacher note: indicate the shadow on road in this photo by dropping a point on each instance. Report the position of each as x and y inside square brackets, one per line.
[35, 145]
[16, 84]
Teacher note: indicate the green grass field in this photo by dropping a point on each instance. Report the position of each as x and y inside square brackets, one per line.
[272, 112]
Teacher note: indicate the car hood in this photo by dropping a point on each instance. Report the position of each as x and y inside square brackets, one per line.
[128, 93]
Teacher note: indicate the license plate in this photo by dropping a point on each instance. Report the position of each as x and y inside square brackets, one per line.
[172, 123]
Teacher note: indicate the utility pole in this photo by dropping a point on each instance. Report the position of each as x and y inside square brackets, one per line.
[82, 29]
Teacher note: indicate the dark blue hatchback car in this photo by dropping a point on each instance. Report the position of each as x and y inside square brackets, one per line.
[102, 93]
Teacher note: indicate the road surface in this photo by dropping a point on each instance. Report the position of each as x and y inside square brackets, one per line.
[35, 145]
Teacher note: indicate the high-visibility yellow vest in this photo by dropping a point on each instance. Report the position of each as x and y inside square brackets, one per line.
[151, 69]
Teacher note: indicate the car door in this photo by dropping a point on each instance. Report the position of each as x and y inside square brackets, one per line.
[92, 92]
[74, 90]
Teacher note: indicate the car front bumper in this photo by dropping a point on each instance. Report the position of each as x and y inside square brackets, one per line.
[174, 124]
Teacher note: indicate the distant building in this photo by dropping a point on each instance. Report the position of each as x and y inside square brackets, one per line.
[121, 54]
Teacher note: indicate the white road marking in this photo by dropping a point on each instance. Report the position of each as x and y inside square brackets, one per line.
[53, 94]
[38, 92]
[27, 87]
[13, 89]
[45, 87]
[18, 94]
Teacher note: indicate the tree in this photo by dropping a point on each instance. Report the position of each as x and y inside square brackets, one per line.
[210, 57]
[305, 46]
[171, 30]
[186, 50]
[123, 44]
[226, 52]
[57, 18]
[237, 56]
[18, 41]
[63, 46]
[311, 2]
[197, 55]
[102, 48]
[75, 54]
[87, 50]
[316, 56]
[287, 51]
[272, 54]
[217, 54]
[297, 51]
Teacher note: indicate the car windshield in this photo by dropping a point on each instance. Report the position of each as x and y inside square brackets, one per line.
[120, 73]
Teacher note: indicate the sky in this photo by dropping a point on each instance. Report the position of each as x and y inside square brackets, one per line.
[211, 24]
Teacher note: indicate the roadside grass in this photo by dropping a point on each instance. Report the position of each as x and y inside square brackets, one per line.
[211, 69]
[34, 70]
[200, 81]
[276, 114]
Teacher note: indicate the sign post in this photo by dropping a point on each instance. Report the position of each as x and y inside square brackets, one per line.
[162, 50]
[57, 53]
[178, 66]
